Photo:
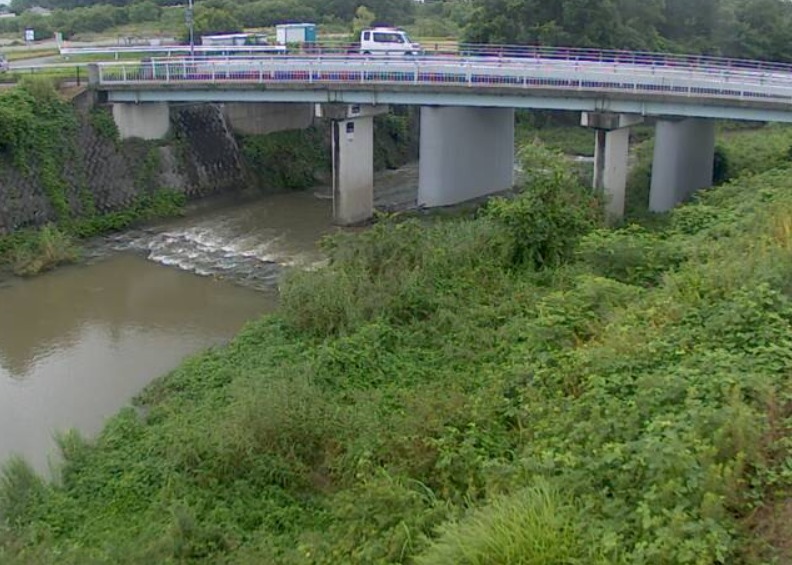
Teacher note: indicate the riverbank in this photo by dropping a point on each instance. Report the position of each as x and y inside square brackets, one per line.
[79, 343]
[67, 175]
[482, 386]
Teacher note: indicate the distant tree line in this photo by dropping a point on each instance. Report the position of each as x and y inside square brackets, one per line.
[344, 10]
[211, 16]
[736, 28]
[94, 18]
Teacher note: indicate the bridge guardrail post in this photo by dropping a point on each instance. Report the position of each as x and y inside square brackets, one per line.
[94, 74]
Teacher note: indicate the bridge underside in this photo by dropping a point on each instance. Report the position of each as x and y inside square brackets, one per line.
[493, 97]
[468, 152]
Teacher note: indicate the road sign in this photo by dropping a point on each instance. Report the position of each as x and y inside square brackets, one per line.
[188, 16]
[30, 35]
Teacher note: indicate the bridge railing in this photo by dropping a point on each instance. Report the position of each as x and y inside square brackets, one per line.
[645, 58]
[452, 49]
[170, 50]
[498, 51]
[440, 72]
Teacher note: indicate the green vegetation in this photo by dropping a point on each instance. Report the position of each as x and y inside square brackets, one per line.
[395, 138]
[737, 28]
[159, 203]
[296, 159]
[33, 252]
[516, 385]
[38, 138]
[756, 29]
[212, 16]
[287, 159]
[30, 54]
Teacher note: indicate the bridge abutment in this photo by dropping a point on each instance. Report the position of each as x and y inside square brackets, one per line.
[465, 153]
[148, 120]
[611, 154]
[684, 154]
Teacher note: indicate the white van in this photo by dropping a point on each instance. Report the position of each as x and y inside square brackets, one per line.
[387, 41]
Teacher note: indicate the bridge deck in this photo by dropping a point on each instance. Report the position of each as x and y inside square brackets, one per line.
[669, 88]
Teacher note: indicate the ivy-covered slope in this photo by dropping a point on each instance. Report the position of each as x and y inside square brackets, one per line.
[521, 386]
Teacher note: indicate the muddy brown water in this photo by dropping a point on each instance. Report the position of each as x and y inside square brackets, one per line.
[78, 343]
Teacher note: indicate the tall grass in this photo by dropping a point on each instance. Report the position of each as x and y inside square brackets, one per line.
[21, 489]
[45, 249]
[535, 526]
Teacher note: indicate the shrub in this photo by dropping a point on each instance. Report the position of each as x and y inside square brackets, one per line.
[21, 490]
[552, 211]
[43, 250]
[631, 255]
[287, 159]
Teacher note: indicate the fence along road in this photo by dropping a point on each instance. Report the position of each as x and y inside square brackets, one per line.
[505, 76]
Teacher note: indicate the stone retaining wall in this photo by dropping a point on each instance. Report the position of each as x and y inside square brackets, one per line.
[200, 158]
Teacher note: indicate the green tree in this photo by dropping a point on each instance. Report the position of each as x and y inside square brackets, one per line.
[738, 28]
[271, 12]
[363, 19]
[144, 11]
[213, 20]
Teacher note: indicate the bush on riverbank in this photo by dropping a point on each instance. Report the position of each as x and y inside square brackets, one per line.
[41, 251]
[437, 394]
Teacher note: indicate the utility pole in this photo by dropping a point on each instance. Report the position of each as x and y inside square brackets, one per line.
[189, 17]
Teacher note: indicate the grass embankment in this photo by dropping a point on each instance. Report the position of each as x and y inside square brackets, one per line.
[38, 138]
[21, 55]
[521, 386]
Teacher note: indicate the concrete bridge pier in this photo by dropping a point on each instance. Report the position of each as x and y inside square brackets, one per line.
[148, 120]
[611, 153]
[465, 153]
[353, 160]
[683, 160]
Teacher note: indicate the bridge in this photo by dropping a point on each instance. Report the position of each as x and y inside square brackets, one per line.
[467, 102]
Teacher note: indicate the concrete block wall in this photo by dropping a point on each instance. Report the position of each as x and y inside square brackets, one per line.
[201, 158]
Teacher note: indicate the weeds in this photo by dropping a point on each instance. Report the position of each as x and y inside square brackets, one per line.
[43, 250]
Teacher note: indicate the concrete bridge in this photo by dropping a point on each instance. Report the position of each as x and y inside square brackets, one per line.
[467, 109]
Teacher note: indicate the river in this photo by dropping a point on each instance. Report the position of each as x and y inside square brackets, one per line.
[76, 344]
